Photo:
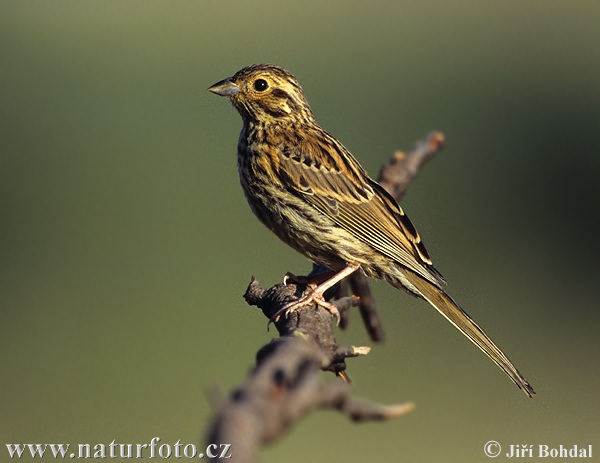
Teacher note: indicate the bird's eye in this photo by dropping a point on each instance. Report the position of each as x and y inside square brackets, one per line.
[260, 85]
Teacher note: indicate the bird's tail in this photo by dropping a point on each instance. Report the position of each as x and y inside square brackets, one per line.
[465, 324]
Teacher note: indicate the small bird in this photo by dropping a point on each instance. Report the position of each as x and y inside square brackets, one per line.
[309, 190]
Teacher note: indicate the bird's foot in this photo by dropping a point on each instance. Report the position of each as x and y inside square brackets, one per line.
[314, 297]
[316, 294]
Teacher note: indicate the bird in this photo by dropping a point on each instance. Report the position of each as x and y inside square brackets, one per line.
[309, 190]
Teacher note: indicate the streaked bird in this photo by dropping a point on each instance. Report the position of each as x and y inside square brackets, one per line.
[309, 190]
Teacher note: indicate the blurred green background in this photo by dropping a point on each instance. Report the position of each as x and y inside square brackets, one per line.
[126, 243]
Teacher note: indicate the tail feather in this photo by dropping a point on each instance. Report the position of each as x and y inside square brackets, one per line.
[465, 324]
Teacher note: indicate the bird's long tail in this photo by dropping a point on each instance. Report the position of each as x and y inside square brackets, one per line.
[465, 324]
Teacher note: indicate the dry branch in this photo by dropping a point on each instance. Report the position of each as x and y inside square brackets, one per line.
[285, 384]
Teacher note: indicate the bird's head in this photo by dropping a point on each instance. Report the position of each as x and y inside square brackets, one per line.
[265, 93]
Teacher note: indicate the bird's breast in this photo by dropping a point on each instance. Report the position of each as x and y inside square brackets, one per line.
[286, 212]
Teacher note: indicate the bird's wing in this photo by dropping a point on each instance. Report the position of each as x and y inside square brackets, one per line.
[332, 181]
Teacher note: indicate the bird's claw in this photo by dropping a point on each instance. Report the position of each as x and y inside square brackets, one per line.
[289, 277]
[313, 297]
[311, 281]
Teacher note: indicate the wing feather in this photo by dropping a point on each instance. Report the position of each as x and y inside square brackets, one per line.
[355, 202]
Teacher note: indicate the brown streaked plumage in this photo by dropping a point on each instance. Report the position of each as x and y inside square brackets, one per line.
[314, 195]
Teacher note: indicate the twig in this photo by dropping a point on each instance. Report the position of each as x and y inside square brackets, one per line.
[285, 383]
[395, 176]
[398, 173]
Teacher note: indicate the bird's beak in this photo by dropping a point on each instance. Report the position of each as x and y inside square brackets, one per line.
[224, 88]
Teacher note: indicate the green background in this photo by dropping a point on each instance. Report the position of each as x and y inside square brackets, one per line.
[126, 243]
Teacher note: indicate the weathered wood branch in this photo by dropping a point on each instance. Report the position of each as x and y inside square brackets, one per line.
[285, 384]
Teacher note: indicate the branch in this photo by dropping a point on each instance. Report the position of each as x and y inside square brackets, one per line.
[395, 176]
[398, 173]
[285, 384]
